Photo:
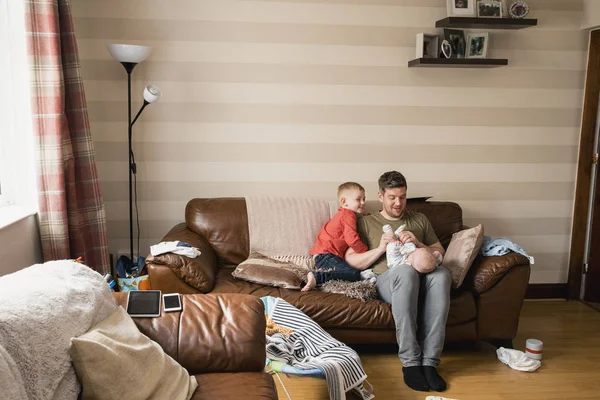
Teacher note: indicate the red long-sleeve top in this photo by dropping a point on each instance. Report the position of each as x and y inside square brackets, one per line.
[338, 234]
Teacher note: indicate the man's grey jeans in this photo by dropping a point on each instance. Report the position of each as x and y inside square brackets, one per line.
[400, 287]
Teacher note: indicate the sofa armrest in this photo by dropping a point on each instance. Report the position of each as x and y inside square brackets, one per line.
[197, 272]
[487, 271]
[212, 333]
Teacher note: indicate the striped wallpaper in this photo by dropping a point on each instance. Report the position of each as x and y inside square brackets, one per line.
[292, 97]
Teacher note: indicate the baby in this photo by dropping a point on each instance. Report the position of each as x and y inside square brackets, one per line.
[423, 260]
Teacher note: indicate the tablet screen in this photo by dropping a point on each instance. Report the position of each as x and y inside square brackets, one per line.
[144, 302]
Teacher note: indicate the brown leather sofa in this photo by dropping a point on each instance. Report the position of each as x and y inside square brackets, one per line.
[220, 339]
[486, 307]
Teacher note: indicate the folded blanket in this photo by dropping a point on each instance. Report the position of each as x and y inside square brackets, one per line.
[41, 308]
[285, 228]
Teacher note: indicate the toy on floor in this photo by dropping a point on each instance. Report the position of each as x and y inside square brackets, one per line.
[273, 328]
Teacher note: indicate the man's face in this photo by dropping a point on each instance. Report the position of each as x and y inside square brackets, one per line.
[393, 201]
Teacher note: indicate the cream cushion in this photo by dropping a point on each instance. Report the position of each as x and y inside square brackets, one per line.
[114, 360]
[461, 253]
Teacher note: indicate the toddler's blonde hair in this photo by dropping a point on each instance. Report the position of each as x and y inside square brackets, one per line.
[344, 187]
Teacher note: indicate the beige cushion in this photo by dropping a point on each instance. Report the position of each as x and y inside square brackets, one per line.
[261, 269]
[461, 253]
[114, 360]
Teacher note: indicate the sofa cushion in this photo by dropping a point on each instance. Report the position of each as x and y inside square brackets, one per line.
[267, 271]
[115, 360]
[461, 253]
[337, 311]
[193, 271]
[223, 222]
[445, 217]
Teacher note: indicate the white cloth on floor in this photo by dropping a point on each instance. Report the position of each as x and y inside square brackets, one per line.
[517, 360]
[175, 247]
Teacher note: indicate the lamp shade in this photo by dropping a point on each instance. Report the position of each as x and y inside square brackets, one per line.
[151, 93]
[129, 53]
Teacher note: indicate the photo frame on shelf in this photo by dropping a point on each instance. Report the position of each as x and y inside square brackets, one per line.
[456, 38]
[461, 8]
[427, 46]
[518, 10]
[477, 44]
[489, 9]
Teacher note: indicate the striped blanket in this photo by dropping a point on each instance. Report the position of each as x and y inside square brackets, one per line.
[310, 347]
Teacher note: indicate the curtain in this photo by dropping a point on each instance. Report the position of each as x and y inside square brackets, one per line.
[71, 211]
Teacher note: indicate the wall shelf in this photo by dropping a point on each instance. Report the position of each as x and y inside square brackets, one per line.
[457, 62]
[485, 23]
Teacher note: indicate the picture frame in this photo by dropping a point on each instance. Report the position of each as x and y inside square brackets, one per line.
[456, 38]
[489, 9]
[477, 44]
[427, 46]
[461, 8]
[518, 10]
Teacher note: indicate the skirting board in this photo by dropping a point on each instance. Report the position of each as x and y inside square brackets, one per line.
[547, 291]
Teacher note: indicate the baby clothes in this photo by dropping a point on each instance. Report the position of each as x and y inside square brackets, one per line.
[175, 247]
[501, 246]
[397, 254]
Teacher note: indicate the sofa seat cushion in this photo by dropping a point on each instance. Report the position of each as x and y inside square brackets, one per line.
[235, 385]
[337, 311]
[226, 283]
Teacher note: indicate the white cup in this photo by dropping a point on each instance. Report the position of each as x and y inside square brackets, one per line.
[533, 348]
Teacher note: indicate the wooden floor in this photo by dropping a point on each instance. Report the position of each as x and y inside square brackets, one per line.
[570, 368]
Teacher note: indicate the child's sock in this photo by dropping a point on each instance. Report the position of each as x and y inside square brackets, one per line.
[414, 378]
[434, 380]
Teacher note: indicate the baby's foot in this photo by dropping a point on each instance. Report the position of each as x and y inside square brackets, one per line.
[311, 282]
[367, 274]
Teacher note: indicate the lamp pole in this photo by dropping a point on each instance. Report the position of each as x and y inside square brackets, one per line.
[129, 56]
[129, 66]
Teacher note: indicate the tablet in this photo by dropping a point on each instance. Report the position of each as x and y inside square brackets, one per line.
[143, 303]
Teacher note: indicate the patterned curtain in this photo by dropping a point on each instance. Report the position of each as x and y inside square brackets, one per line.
[71, 217]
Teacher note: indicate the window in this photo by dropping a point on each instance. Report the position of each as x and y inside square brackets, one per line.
[17, 163]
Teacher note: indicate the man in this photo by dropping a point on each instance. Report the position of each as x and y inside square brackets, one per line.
[400, 286]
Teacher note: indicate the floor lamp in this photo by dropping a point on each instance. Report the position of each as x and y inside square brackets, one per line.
[130, 56]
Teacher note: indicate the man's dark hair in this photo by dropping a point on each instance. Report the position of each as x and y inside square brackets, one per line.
[391, 180]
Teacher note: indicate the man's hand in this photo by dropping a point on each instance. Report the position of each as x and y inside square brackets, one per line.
[385, 239]
[407, 236]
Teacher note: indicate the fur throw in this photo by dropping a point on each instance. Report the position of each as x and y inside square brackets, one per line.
[361, 290]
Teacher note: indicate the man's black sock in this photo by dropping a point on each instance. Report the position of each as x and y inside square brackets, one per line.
[434, 380]
[414, 378]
